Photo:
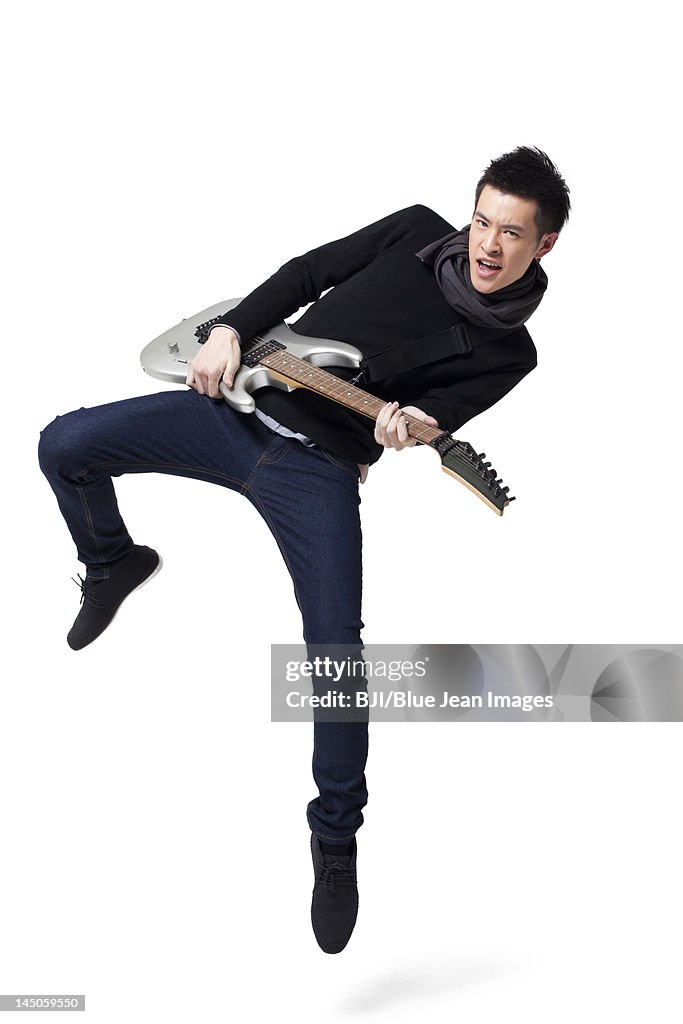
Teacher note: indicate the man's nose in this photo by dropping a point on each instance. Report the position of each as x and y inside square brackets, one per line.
[492, 242]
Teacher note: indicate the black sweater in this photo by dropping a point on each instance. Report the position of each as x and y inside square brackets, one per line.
[383, 295]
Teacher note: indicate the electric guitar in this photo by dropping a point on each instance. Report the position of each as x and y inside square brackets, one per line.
[281, 358]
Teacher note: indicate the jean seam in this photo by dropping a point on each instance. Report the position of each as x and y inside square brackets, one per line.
[264, 512]
[171, 465]
[278, 456]
[263, 459]
[335, 839]
[91, 525]
[353, 473]
[139, 462]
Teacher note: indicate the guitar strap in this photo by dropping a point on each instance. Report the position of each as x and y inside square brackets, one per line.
[458, 340]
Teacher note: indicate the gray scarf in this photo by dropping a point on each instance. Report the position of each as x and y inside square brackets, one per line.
[508, 307]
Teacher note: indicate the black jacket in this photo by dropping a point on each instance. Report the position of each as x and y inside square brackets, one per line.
[381, 295]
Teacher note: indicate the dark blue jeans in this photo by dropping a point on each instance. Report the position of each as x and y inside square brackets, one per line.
[308, 497]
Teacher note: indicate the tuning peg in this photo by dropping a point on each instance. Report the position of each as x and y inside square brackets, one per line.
[481, 455]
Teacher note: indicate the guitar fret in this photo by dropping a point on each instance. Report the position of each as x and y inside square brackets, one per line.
[324, 383]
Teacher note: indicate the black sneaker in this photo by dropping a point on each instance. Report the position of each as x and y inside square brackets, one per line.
[335, 897]
[101, 599]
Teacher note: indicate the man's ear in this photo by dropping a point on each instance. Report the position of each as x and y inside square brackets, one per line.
[546, 244]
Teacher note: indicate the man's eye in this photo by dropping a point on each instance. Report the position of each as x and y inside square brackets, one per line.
[482, 223]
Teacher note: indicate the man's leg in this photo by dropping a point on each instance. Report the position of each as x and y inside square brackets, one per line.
[176, 432]
[310, 501]
[311, 505]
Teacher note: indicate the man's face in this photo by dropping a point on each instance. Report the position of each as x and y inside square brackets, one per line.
[503, 232]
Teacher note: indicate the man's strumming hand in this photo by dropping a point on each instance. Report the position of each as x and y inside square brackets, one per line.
[219, 356]
[391, 428]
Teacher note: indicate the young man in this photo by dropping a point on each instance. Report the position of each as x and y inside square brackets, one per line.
[409, 280]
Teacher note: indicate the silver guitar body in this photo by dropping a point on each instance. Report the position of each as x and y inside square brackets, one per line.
[169, 356]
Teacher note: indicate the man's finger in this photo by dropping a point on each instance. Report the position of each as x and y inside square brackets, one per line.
[388, 427]
[402, 429]
[385, 413]
[380, 424]
[229, 375]
[214, 377]
[392, 427]
[379, 421]
[408, 441]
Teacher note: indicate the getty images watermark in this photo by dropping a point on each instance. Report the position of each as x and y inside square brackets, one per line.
[477, 683]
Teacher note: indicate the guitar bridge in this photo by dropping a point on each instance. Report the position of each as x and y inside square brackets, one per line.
[202, 332]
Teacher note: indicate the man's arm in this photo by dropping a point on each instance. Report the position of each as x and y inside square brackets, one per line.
[447, 407]
[304, 278]
[461, 401]
[301, 280]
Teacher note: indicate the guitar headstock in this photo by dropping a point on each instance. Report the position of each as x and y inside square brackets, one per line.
[459, 459]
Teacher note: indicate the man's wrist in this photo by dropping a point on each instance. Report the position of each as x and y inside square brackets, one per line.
[227, 328]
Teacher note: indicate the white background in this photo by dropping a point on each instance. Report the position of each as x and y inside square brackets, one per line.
[154, 849]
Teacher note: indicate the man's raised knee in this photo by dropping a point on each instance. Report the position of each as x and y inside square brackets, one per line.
[59, 440]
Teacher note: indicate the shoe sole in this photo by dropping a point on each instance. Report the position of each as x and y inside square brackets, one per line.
[118, 607]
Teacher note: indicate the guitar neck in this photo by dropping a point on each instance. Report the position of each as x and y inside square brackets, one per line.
[299, 373]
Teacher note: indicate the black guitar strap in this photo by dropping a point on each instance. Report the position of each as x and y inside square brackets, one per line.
[457, 340]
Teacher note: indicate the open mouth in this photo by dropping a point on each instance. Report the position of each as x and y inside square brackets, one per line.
[487, 268]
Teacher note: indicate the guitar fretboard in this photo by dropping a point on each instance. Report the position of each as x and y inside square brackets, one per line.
[326, 384]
